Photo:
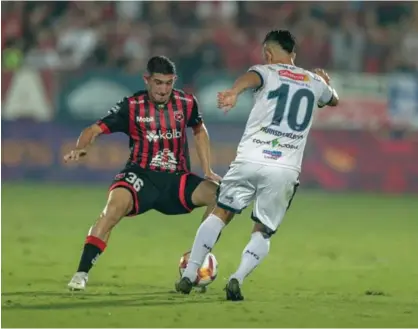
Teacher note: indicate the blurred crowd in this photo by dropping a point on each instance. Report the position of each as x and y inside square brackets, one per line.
[351, 36]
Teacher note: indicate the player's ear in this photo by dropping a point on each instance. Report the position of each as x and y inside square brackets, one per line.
[146, 78]
[269, 56]
[293, 56]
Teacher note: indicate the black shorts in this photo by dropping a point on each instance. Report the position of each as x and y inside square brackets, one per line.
[168, 193]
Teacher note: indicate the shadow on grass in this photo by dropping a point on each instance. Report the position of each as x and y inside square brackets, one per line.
[81, 294]
[143, 300]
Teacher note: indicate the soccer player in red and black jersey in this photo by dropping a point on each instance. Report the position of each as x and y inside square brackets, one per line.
[157, 174]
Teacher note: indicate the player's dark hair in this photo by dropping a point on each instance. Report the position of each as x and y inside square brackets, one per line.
[284, 38]
[161, 64]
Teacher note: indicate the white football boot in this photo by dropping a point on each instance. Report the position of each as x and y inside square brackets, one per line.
[79, 281]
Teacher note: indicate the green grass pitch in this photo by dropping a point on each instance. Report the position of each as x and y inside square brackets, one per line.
[339, 260]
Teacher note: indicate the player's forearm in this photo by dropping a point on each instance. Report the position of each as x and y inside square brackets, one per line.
[88, 136]
[249, 80]
[203, 148]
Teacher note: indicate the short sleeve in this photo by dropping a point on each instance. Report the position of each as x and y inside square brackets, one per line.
[117, 120]
[196, 116]
[326, 93]
[262, 72]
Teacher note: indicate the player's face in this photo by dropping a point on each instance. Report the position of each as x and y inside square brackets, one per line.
[160, 86]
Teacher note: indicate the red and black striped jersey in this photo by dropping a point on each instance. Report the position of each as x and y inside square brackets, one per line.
[157, 132]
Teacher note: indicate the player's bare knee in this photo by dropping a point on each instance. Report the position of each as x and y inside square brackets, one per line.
[116, 209]
[112, 213]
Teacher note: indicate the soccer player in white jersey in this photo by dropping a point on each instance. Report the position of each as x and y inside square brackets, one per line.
[269, 156]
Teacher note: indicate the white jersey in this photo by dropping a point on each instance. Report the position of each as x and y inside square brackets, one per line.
[281, 117]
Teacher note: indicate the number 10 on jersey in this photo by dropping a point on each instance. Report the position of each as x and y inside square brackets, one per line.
[282, 95]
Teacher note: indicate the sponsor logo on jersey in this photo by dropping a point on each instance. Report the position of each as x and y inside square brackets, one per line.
[293, 76]
[169, 134]
[260, 142]
[144, 119]
[183, 98]
[134, 101]
[275, 143]
[280, 134]
[272, 154]
[178, 116]
[119, 176]
[164, 159]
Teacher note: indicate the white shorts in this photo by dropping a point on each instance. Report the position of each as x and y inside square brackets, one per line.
[272, 188]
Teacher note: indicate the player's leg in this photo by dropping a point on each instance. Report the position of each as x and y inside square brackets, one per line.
[203, 195]
[272, 200]
[119, 203]
[254, 252]
[123, 201]
[206, 237]
[235, 193]
[184, 193]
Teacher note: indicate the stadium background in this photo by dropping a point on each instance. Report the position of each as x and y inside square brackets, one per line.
[64, 64]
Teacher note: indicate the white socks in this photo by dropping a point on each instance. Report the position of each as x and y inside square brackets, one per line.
[206, 236]
[205, 239]
[255, 251]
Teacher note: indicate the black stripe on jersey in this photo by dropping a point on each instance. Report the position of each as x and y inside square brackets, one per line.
[141, 111]
[137, 113]
[153, 127]
[138, 137]
[143, 127]
[170, 124]
[177, 107]
[163, 143]
[158, 145]
[184, 148]
[132, 130]
[134, 138]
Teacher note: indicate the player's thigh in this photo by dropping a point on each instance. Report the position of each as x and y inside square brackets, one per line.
[142, 190]
[119, 204]
[237, 188]
[177, 197]
[275, 191]
[201, 192]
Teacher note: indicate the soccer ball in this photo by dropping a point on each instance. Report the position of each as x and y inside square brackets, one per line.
[207, 272]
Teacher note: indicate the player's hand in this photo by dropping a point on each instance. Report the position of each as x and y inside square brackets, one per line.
[324, 75]
[213, 177]
[75, 155]
[227, 99]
